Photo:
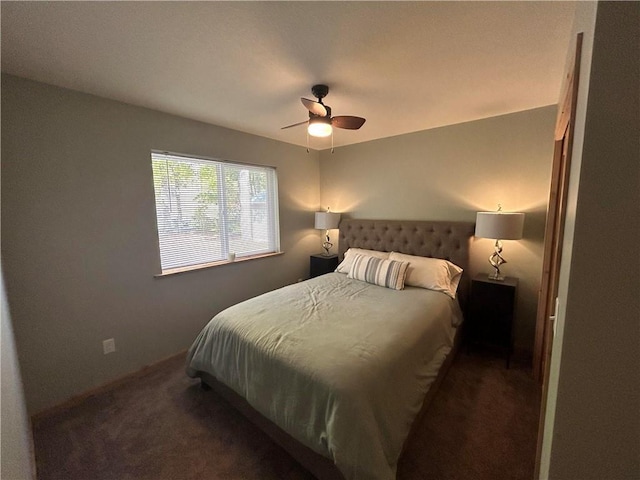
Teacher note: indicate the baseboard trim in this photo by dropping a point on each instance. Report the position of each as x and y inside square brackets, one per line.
[105, 387]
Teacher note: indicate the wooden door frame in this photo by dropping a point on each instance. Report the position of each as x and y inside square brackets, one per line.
[553, 239]
[554, 228]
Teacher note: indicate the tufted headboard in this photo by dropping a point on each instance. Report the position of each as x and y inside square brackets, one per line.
[437, 239]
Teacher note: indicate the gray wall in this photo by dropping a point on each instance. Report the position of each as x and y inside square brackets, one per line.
[17, 445]
[592, 427]
[450, 173]
[79, 241]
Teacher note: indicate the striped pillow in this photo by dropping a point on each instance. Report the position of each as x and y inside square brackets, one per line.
[378, 271]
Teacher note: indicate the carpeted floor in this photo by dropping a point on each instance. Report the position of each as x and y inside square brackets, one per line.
[481, 425]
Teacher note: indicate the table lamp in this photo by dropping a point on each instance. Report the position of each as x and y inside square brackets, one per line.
[327, 221]
[501, 226]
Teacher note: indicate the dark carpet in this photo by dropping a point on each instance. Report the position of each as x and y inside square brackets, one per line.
[482, 424]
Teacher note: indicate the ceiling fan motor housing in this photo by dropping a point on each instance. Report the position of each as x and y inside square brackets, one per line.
[320, 91]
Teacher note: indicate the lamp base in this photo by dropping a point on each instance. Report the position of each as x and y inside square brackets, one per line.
[496, 260]
[326, 245]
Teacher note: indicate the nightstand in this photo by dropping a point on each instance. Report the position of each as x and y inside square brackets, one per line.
[491, 312]
[321, 264]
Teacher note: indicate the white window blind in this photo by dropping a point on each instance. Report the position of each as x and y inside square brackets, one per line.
[207, 209]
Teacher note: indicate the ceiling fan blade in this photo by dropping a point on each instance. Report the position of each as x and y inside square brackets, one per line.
[295, 124]
[347, 121]
[314, 107]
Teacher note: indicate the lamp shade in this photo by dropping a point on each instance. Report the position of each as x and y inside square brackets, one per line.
[327, 220]
[319, 127]
[499, 225]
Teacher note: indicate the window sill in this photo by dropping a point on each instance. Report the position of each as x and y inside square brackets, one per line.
[201, 266]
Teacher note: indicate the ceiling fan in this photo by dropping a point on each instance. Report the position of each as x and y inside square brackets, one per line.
[321, 123]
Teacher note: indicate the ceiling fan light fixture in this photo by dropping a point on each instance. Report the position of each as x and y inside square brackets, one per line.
[320, 127]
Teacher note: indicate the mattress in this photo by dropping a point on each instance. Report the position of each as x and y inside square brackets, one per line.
[339, 364]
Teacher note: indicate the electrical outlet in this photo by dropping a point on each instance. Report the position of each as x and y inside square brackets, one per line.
[109, 346]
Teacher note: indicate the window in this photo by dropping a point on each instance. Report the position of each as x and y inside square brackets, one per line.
[207, 209]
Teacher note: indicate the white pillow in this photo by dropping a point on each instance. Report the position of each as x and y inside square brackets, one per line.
[345, 265]
[379, 271]
[430, 273]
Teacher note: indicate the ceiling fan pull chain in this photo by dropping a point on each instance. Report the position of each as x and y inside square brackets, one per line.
[331, 140]
[307, 142]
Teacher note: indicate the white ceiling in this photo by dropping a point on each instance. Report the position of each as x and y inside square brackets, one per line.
[404, 66]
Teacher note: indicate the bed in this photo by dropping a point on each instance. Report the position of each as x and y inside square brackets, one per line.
[337, 369]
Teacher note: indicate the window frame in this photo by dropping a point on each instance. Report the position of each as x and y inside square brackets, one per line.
[273, 221]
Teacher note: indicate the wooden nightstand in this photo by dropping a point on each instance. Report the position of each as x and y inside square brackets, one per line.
[491, 312]
[321, 264]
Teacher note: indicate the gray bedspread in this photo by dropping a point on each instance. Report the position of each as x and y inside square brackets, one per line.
[341, 365]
